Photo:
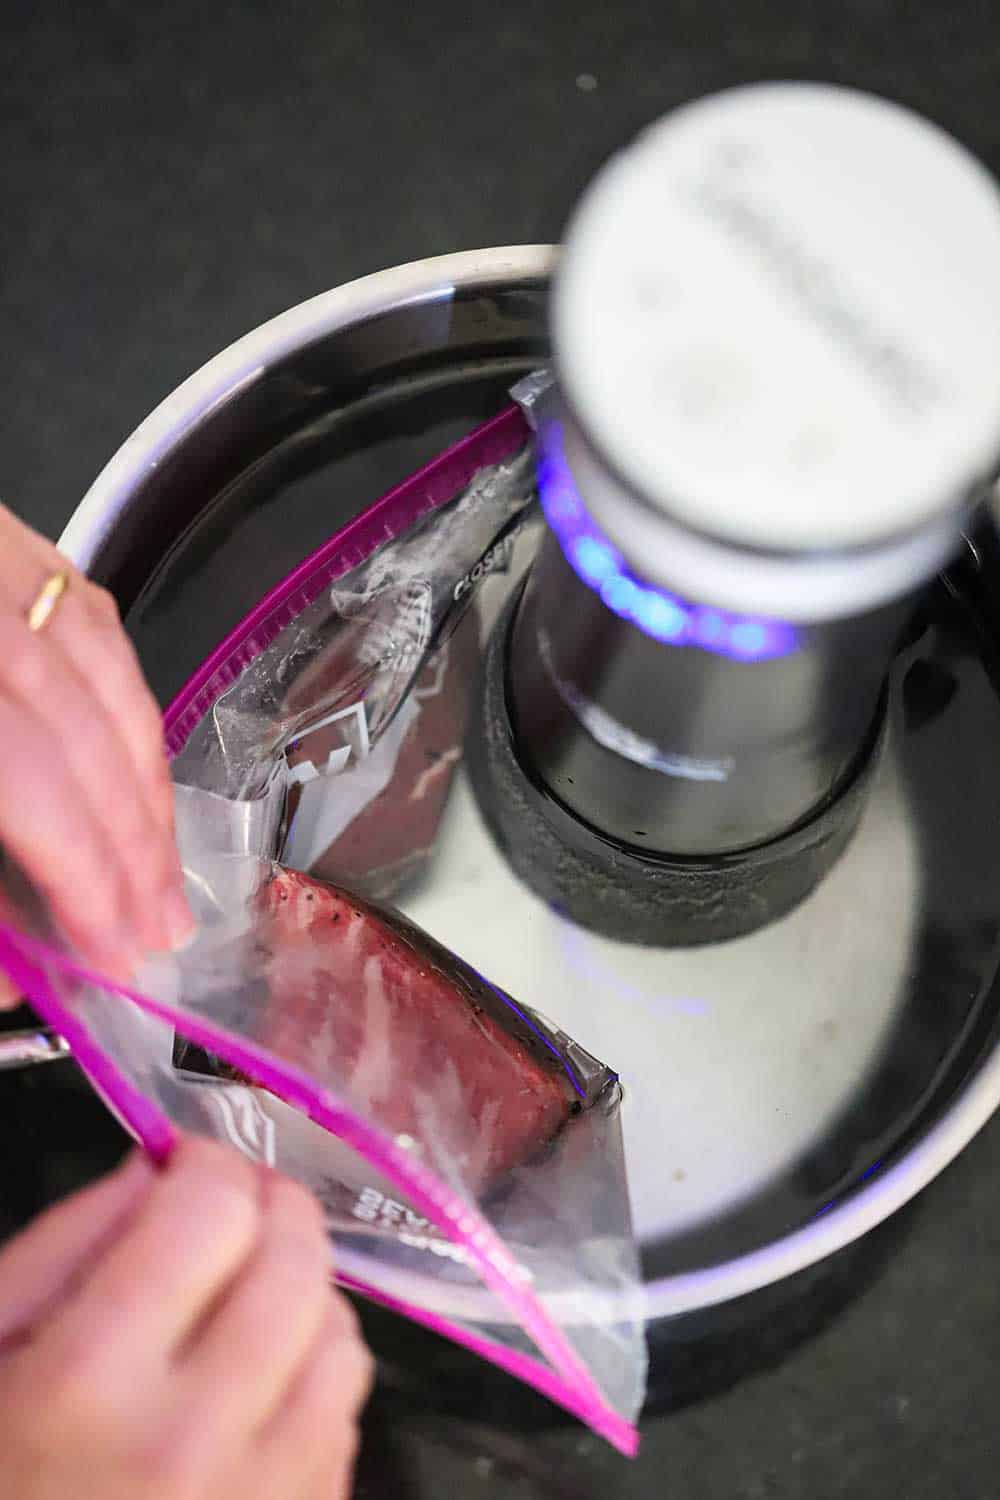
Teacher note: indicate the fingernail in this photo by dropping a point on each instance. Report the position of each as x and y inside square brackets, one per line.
[181, 926]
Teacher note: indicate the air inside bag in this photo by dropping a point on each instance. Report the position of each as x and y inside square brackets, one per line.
[528, 1249]
[468, 1154]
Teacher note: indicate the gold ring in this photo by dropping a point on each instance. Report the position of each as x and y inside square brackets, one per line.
[46, 600]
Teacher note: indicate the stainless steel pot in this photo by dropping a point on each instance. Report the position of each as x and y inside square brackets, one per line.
[360, 353]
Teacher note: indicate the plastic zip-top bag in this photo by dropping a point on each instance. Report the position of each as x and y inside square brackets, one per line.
[467, 1152]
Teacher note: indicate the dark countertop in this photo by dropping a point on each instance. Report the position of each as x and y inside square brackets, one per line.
[175, 174]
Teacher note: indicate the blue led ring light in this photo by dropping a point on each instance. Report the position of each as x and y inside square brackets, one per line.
[654, 611]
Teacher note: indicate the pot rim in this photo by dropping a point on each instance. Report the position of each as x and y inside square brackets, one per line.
[437, 279]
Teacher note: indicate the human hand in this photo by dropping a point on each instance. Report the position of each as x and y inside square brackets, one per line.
[173, 1335]
[86, 801]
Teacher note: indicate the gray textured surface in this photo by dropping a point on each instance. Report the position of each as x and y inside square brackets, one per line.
[619, 892]
[172, 175]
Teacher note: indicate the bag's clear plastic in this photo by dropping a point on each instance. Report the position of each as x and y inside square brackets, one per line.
[467, 1152]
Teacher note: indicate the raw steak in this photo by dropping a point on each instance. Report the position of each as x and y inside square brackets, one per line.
[390, 839]
[406, 1032]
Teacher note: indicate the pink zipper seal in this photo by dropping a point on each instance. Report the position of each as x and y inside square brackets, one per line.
[424, 492]
[568, 1382]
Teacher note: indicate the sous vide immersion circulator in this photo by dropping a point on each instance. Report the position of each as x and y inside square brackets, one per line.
[776, 401]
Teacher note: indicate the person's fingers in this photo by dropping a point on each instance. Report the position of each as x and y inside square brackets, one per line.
[10, 995]
[38, 675]
[101, 650]
[49, 829]
[86, 630]
[41, 1265]
[316, 1427]
[271, 1314]
[334, 1476]
[191, 1235]
[107, 658]
[20, 548]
